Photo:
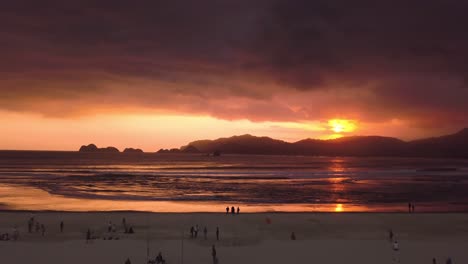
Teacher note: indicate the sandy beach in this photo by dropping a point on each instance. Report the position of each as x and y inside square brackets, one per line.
[244, 238]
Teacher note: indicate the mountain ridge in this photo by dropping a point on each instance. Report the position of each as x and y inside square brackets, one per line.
[453, 145]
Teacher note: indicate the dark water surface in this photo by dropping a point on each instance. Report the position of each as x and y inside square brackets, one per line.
[186, 183]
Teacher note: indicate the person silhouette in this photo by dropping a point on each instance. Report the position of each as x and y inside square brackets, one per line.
[233, 210]
[213, 253]
[238, 210]
[128, 261]
[205, 232]
[227, 210]
[88, 236]
[217, 233]
[396, 248]
[61, 227]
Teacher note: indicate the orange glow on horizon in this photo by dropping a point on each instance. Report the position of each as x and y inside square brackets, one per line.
[151, 132]
[342, 125]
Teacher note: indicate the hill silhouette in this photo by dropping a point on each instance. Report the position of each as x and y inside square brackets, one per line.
[132, 150]
[94, 148]
[189, 149]
[455, 145]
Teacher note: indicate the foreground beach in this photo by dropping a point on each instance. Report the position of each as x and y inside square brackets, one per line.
[244, 238]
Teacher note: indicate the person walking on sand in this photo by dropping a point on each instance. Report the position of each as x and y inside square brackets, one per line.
[233, 210]
[238, 210]
[213, 254]
[61, 227]
[192, 230]
[128, 261]
[434, 261]
[396, 249]
[217, 233]
[88, 236]
[205, 232]
[15, 233]
[30, 225]
[227, 210]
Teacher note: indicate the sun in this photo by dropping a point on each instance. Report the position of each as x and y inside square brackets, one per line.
[339, 208]
[342, 125]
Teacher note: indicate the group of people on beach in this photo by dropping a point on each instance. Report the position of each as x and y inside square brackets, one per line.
[7, 237]
[233, 210]
[396, 249]
[35, 226]
[158, 260]
[448, 261]
[127, 229]
[111, 231]
[194, 232]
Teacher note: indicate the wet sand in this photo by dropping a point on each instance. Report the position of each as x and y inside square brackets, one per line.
[244, 238]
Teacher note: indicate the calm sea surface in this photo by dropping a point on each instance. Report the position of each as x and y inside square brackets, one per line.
[73, 181]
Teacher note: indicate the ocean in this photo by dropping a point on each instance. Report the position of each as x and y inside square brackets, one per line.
[73, 181]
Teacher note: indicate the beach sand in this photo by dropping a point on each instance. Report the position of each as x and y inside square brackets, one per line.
[245, 238]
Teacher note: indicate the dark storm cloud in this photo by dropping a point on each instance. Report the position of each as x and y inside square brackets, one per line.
[392, 59]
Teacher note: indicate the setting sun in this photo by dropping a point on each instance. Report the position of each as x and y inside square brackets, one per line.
[339, 208]
[342, 125]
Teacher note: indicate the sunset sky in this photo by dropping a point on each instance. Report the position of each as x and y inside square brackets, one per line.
[159, 74]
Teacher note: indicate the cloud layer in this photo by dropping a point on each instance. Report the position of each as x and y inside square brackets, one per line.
[259, 60]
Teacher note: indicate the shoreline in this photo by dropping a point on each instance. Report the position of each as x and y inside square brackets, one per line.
[243, 213]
